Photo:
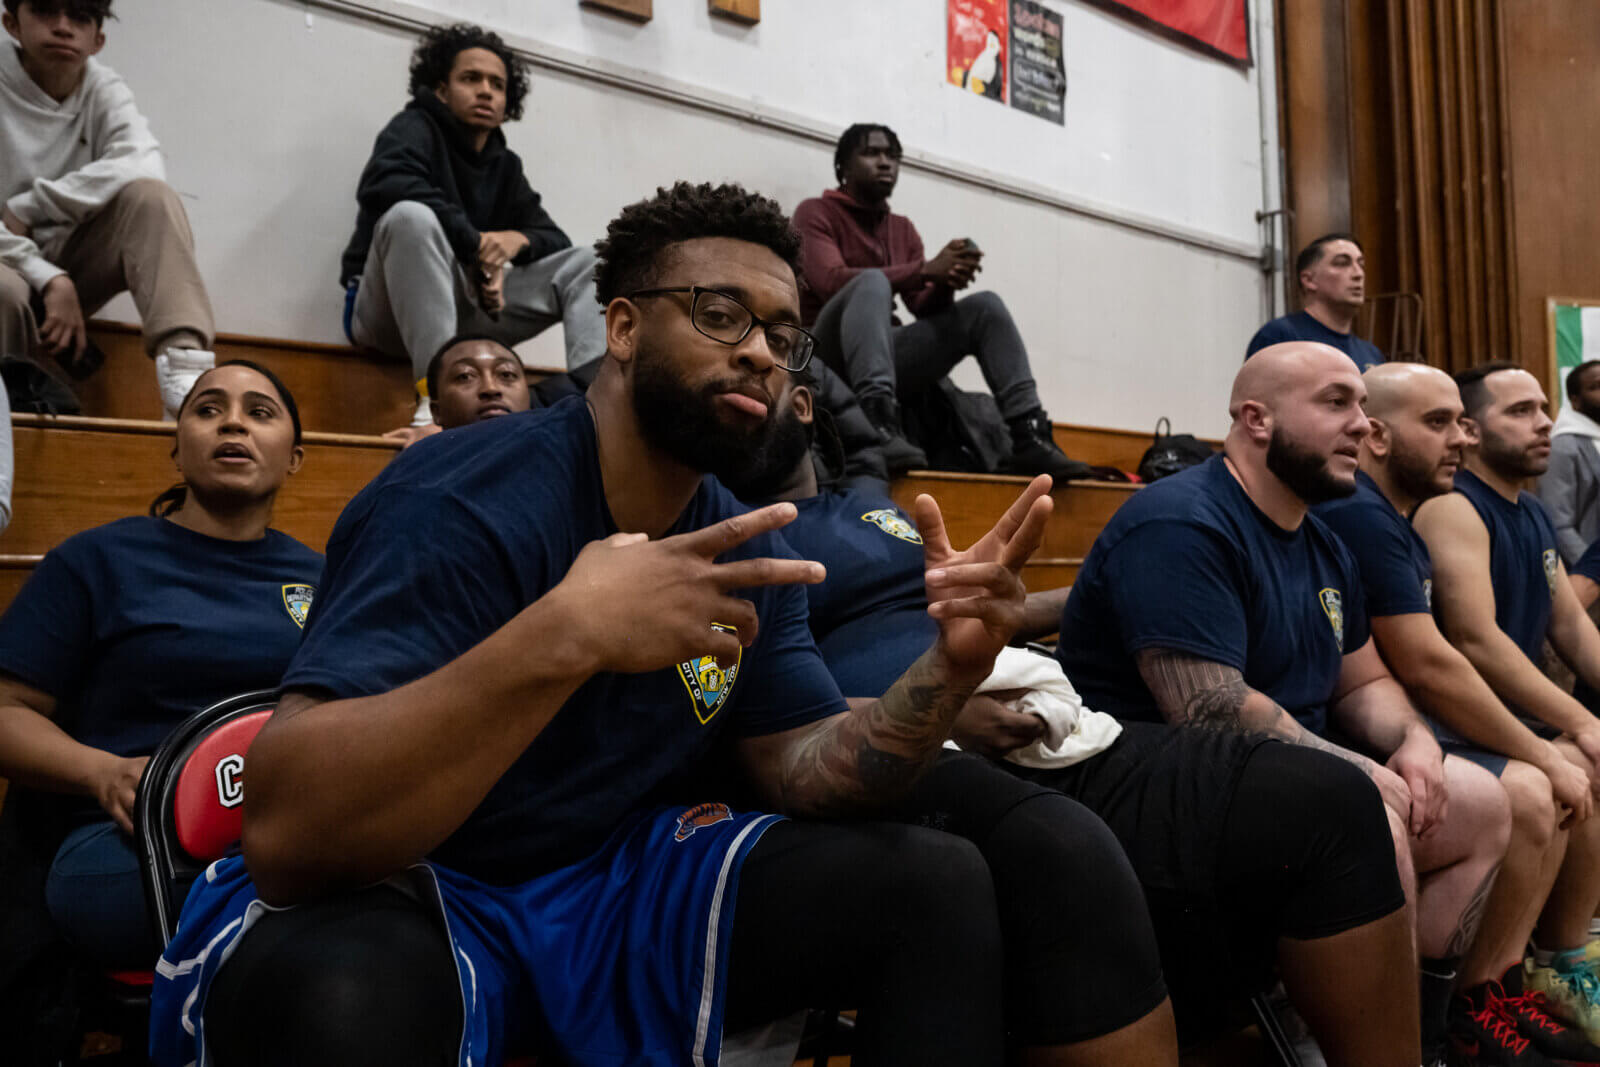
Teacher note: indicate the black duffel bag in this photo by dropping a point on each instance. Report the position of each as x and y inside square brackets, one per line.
[1171, 452]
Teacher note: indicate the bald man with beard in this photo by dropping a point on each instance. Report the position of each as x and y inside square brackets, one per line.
[1213, 599]
[1411, 454]
[1500, 591]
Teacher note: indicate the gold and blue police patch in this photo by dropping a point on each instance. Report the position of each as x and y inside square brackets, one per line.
[894, 524]
[1333, 607]
[297, 602]
[709, 683]
[1550, 570]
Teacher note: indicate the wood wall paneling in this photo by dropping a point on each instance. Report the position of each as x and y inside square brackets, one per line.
[746, 11]
[637, 10]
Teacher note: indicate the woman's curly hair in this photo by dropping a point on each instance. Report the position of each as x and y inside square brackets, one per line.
[630, 252]
[435, 57]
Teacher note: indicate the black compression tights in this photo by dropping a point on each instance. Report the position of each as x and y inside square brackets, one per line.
[896, 921]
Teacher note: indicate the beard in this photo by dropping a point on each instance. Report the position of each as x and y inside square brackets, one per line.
[1507, 460]
[1415, 475]
[1305, 472]
[788, 445]
[683, 422]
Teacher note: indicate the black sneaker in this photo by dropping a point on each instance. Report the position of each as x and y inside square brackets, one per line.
[1530, 1010]
[1483, 1033]
[899, 454]
[1034, 450]
[34, 390]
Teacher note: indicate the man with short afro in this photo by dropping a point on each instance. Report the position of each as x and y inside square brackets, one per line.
[450, 238]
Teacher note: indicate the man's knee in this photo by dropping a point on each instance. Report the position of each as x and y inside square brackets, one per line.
[870, 284]
[982, 306]
[408, 220]
[1533, 805]
[1479, 799]
[147, 195]
[14, 292]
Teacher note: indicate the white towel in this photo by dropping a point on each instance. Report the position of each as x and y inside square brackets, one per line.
[1072, 733]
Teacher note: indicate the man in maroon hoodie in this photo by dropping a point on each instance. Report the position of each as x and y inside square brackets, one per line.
[857, 255]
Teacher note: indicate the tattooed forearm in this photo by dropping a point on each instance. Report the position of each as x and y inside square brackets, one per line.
[871, 756]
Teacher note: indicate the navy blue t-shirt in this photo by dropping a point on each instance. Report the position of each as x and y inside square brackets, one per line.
[1523, 561]
[1396, 569]
[1302, 326]
[463, 531]
[1190, 564]
[870, 617]
[1588, 564]
[138, 624]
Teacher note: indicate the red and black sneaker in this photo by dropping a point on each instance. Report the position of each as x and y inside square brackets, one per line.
[1483, 1034]
[1530, 1010]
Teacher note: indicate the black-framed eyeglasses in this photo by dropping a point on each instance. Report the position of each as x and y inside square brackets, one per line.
[722, 318]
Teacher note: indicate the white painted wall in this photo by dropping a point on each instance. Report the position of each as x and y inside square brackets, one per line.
[267, 110]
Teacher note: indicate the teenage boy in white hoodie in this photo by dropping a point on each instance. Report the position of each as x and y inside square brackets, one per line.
[1570, 489]
[87, 212]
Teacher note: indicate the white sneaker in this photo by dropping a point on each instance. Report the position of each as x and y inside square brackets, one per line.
[177, 369]
[424, 413]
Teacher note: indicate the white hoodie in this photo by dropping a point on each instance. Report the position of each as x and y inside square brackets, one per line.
[1572, 421]
[60, 163]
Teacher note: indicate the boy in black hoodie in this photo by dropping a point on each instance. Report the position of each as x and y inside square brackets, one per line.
[450, 237]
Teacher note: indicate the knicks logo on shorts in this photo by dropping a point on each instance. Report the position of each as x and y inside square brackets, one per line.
[698, 816]
[1333, 608]
[894, 524]
[708, 681]
[1550, 570]
[297, 602]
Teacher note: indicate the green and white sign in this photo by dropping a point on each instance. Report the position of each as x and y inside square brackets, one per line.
[1576, 339]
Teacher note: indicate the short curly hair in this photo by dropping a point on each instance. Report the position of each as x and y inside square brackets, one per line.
[853, 139]
[630, 252]
[435, 57]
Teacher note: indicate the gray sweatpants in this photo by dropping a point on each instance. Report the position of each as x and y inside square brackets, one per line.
[856, 338]
[414, 295]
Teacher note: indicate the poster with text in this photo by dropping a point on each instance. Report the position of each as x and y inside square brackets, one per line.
[1038, 67]
[976, 44]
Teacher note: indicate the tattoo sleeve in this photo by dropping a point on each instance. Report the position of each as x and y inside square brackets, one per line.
[1191, 691]
[870, 756]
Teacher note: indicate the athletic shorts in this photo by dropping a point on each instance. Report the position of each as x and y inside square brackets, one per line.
[1454, 744]
[620, 958]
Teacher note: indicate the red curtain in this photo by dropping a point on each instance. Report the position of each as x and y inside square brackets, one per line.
[1217, 26]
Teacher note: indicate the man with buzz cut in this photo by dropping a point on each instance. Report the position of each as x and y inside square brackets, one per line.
[1499, 592]
[859, 256]
[1215, 599]
[450, 238]
[1332, 271]
[1411, 455]
[526, 784]
[86, 212]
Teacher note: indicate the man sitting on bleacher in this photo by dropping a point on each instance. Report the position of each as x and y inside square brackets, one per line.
[858, 256]
[1332, 271]
[482, 812]
[1214, 599]
[450, 238]
[1216, 824]
[87, 212]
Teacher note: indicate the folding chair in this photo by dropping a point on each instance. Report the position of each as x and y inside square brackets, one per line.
[189, 806]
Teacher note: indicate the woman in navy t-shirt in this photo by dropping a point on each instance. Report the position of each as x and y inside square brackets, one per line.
[125, 630]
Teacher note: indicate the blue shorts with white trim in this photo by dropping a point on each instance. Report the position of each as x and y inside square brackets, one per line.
[622, 956]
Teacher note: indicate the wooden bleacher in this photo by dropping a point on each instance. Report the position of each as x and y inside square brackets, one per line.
[74, 472]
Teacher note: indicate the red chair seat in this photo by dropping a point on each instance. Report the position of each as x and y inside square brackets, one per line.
[207, 803]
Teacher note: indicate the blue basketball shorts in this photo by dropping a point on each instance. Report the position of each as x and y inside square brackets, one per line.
[623, 955]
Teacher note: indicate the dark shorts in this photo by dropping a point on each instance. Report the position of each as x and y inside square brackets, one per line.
[1454, 744]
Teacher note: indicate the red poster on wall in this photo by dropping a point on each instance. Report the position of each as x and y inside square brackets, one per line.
[976, 46]
[1221, 27]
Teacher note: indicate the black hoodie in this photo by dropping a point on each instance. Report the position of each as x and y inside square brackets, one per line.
[425, 154]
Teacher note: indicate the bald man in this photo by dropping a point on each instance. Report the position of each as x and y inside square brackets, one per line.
[1411, 454]
[1214, 599]
[1499, 591]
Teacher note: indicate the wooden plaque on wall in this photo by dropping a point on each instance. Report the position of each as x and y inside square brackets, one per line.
[637, 10]
[747, 11]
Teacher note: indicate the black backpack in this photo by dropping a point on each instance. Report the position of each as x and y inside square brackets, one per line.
[1171, 452]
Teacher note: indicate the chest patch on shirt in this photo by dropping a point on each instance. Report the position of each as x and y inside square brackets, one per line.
[297, 602]
[889, 521]
[1550, 570]
[1333, 608]
[708, 681]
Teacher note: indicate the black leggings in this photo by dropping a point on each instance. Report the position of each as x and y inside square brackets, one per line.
[896, 921]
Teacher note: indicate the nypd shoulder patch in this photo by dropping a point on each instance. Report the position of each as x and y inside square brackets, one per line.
[297, 602]
[894, 524]
[709, 683]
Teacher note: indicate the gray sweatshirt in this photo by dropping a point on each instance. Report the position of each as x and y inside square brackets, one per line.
[60, 163]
